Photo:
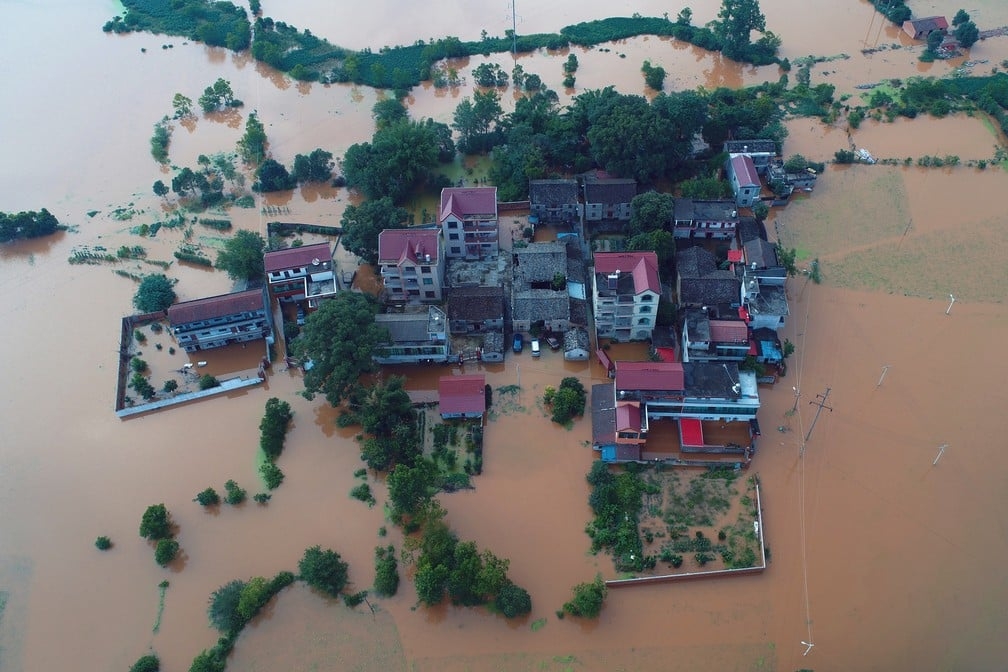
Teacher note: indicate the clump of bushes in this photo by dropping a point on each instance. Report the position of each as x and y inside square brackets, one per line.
[165, 551]
[208, 497]
[103, 543]
[148, 663]
[234, 493]
[324, 570]
[568, 401]
[386, 571]
[588, 599]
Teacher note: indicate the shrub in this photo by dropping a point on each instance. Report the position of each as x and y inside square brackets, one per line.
[155, 523]
[207, 382]
[208, 497]
[386, 571]
[261, 497]
[324, 570]
[103, 543]
[271, 474]
[235, 494]
[155, 293]
[223, 609]
[588, 599]
[166, 551]
[170, 385]
[273, 427]
[138, 365]
[140, 337]
[362, 492]
[513, 601]
[148, 663]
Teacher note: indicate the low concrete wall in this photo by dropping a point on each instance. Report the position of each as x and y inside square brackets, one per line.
[225, 386]
[688, 576]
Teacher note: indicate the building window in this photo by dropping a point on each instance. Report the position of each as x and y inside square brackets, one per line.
[456, 250]
[453, 236]
[429, 295]
[645, 309]
[428, 281]
[646, 297]
[425, 269]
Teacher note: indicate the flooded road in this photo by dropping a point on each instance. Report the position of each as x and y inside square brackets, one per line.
[874, 550]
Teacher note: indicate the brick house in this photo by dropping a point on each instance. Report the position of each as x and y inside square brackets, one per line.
[554, 201]
[607, 199]
[216, 321]
[919, 29]
[744, 179]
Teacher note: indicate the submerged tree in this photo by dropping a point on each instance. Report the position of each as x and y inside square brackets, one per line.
[736, 21]
[242, 256]
[154, 294]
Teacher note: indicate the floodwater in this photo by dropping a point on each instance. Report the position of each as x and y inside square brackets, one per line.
[881, 558]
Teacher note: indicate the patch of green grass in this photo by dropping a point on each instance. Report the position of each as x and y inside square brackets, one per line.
[538, 624]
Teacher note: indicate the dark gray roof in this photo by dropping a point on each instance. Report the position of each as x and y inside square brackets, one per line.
[664, 337]
[760, 252]
[695, 262]
[711, 379]
[698, 324]
[689, 209]
[753, 146]
[603, 405]
[553, 192]
[578, 311]
[540, 304]
[476, 304]
[771, 300]
[405, 327]
[539, 262]
[748, 228]
[493, 341]
[714, 288]
[610, 191]
[575, 263]
[576, 338]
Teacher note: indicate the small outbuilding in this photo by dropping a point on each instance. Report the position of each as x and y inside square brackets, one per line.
[462, 396]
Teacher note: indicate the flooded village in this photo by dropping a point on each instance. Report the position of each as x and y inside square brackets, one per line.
[818, 433]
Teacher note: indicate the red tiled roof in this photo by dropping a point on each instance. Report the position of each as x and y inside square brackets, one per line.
[728, 331]
[735, 255]
[745, 170]
[463, 201]
[462, 394]
[650, 376]
[297, 257]
[215, 306]
[643, 266]
[628, 417]
[394, 245]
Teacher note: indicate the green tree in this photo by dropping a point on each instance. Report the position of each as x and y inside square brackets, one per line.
[398, 158]
[183, 106]
[155, 523]
[386, 571]
[760, 211]
[650, 211]
[705, 188]
[217, 96]
[588, 599]
[477, 120]
[160, 189]
[165, 551]
[384, 406]
[148, 663]
[362, 224]
[513, 601]
[273, 427]
[223, 607]
[324, 570]
[966, 34]
[410, 488]
[339, 339]
[960, 18]
[430, 580]
[654, 75]
[208, 660]
[188, 182]
[254, 596]
[736, 20]
[569, 400]
[389, 111]
[252, 145]
[271, 175]
[208, 497]
[629, 139]
[463, 577]
[103, 543]
[659, 241]
[492, 576]
[315, 167]
[234, 494]
[242, 256]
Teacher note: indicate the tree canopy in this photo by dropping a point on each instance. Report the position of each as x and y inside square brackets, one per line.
[273, 176]
[28, 224]
[362, 224]
[339, 339]
[736, 21]
[397, 159]
[155, 523]
[650, 211]
[324, 570]
[314, 167]
[587, 600]
[242, 256]
[154, 294]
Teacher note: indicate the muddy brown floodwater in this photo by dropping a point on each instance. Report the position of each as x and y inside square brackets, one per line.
[882, 559]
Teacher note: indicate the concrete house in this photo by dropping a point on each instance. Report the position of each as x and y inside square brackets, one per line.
[744, 179]
[411, 264]
[216, 321]
[762, 152]
[554, 202]
[625, 291]
[534, 299]
[462, 396]
[713, 340]
[419, 337]
[695, 218]
[302, 273]
[619, 430]
[469, 222]
[607, 199]
[760, 259]
[475, 309]
[701, 283]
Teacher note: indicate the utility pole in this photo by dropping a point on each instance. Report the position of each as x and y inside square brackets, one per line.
[821, 403]
[949, 309]
[514, 30]
[941, 451]
[797, 395]
[884, 370]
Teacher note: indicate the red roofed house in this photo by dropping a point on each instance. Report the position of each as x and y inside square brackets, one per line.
[625, 291]
[299, 273]
[744, 179]
[468, 218]
[919, 29]
[462, 396]
[411, 264]
[217, 321]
